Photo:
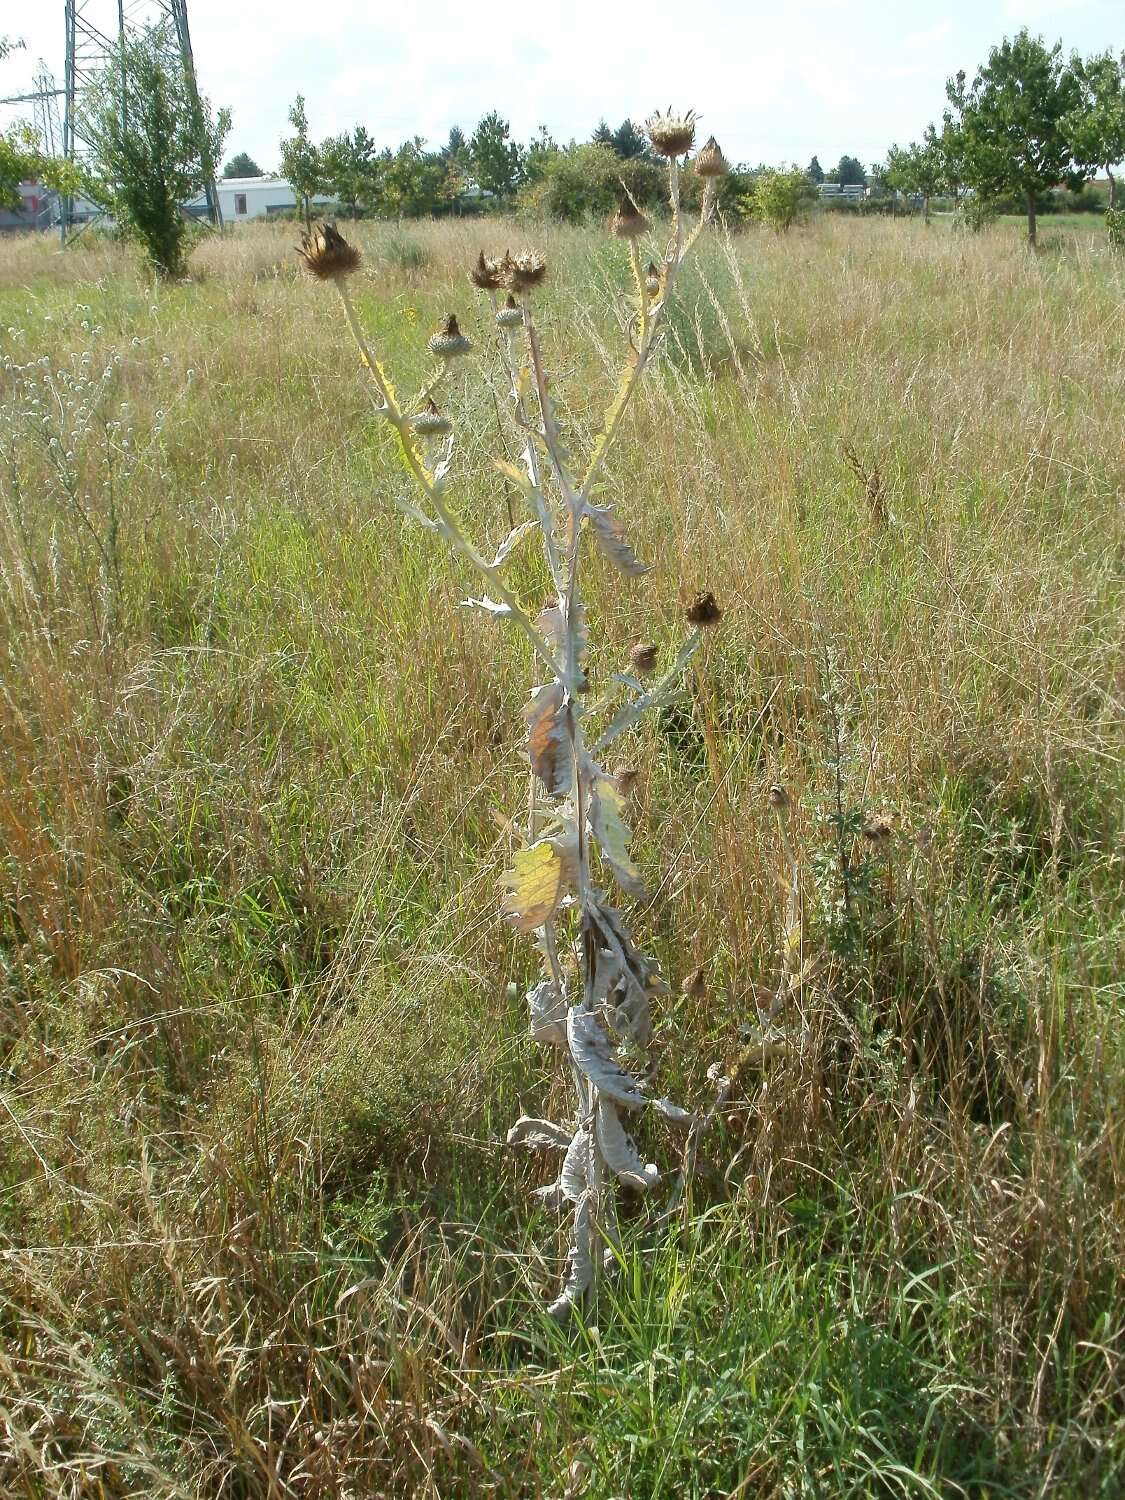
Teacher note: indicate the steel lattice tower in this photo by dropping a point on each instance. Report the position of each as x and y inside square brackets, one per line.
[95, 30]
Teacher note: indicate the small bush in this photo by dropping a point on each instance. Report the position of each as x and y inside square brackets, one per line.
[1115, 227]
[779, 198]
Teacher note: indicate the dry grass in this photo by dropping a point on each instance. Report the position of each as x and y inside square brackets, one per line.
[257, 1045]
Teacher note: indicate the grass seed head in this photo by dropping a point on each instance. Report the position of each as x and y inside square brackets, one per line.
[671, 134]
[628, 223]
[711, 162]
[703, 611]
[449, 342]
[327, 254]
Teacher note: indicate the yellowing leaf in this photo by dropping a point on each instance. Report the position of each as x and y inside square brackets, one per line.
[612, 834]
[535, 884]
[547, 747]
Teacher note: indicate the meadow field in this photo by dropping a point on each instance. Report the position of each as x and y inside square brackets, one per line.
[262, 1026]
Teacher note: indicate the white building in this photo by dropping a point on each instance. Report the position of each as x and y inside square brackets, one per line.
[243, 198]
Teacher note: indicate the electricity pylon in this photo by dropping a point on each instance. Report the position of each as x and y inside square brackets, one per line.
[96, 31]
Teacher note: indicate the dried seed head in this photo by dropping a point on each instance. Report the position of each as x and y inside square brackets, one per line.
[510, 315]
[628, 223]
[671, 135]
[652, 279]
[711, 162]
[778, 797]
[625, 779]
[520, 273]
[878, 828]
[703, 611]
[448, 342]
[643, 657]
[327, 254]
[694, 986]
[431, 423]
[486, 273]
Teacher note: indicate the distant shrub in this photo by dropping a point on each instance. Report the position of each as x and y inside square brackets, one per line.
[1115, 227]
[779, 198]
[976, 213]
[585, 183]
[403, 252]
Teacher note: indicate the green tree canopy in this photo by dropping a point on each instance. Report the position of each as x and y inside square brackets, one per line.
[917, 170]
[814, 171]
[349, 168]
[1015, 119]
[848, 172]
[1097, 126]
[779, 197]
[301, 165]
[496, 160]
[154, 143]
[242, 164]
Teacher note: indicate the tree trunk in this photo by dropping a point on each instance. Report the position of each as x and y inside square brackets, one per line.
[1112, 188]
[925, 208]
[1032, 234]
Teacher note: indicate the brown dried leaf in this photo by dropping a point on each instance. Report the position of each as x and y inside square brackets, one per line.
[547, 747]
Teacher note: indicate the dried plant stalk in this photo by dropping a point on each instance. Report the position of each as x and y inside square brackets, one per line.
[592, 1002]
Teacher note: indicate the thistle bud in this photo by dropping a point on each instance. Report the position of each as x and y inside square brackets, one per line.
[431, 422]
[628, 223]
[652, 279]
[694, 986]
[778, 798]
[510, 315]
[486, 273]
[327, 254]
[520, 273]
[711, 162]
[878, 828]
[703, 611]
[671, 135]
[643, 657]
[449, 342]
[625, 779]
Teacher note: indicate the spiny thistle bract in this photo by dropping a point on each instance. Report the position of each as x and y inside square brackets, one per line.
[711, 162]
[671, 135]
[327, 254]
[591, 1002]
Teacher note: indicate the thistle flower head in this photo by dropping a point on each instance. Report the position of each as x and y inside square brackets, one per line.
[778, 797]
[448, 342]
[625, 779]
[486, 273]
[628, 223]
[652, 279]
[510, 315]
[643, 657]
[327, 254]
[671, 134]
[703, 611]
[520, 273]
[711, 162]
[431, 422]
[695, 984]
[878, 828]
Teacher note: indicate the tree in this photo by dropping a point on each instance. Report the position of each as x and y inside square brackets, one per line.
[1097, 127]
[242, 165]
[917, 171]
[154, 143]
[629, 141]
[301, 165]
[348, 166]
[456, 149]
[602, 135]
[495, 159]
[540, 150]
[411, 181]
[815, 172]
[848, 172]
[779, 197]
[1014, 122]
[585, 182]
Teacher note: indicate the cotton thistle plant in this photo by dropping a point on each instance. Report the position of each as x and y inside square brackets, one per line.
[591, 1004]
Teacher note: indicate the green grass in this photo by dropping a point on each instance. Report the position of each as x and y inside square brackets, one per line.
[258, 1045]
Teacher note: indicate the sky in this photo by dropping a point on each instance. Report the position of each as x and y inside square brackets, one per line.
[775, 82]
